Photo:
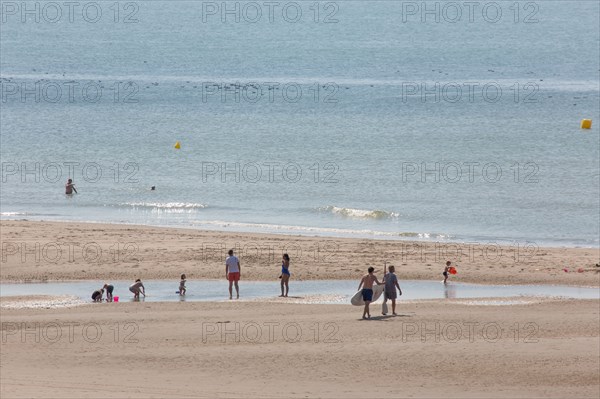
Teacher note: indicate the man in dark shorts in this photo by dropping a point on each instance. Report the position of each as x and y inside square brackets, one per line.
[367, 290]
[70, 187]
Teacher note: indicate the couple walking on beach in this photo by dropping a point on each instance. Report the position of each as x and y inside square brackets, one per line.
[389, 291]
[233, 271]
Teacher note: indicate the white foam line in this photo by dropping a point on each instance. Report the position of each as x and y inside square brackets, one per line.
[566, 85]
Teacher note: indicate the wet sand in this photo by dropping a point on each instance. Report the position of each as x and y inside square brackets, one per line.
[265, 350]
[40, 251]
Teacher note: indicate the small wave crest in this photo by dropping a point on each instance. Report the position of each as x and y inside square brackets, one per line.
[359, 213]
[222, 225]
[10, 214]
[165, 206]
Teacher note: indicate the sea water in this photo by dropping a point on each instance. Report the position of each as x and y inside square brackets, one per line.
[347, 118]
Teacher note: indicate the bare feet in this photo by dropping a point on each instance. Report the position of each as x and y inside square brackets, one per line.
[281, 296]
[395, 314]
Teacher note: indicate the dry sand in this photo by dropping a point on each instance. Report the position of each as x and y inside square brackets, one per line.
[274, 349]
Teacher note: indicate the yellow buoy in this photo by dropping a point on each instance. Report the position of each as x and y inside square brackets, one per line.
[177, 145]
[586, 123]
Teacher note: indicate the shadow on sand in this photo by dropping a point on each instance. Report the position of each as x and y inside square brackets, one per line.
[386, 317]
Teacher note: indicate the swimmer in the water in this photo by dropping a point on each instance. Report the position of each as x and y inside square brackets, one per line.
[70, 187]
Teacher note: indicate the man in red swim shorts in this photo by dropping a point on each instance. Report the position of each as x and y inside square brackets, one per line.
[233, 272]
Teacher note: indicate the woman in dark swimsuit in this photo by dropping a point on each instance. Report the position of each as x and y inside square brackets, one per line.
[109, 292]
[285, 274]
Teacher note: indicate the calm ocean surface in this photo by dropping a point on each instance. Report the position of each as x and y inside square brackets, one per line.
[344, 118]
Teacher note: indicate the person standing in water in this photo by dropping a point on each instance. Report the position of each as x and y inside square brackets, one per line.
[367, 290]
[233, 272]
[70, 187]
[285, 275]
[446, 270]
[109, 291]
[182, 285]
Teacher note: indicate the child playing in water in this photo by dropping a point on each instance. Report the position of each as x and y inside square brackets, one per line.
[182, 285]
[446, 270]
[109, 292]
[97, 295]
[285, 275]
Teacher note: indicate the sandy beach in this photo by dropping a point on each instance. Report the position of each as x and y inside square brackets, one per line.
[276, 349]
[42, 251]
[141, 142]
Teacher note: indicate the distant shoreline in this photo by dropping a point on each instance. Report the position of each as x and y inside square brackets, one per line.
[313, 231]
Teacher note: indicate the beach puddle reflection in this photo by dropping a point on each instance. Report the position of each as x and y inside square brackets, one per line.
[305, 292]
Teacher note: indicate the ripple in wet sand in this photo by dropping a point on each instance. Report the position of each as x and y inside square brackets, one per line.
[40, 302]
